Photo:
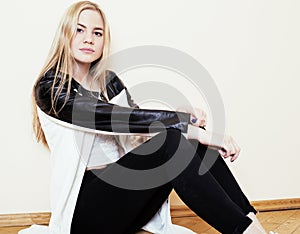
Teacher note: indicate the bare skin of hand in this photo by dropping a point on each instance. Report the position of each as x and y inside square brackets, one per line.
[225, 144]
[226, 147]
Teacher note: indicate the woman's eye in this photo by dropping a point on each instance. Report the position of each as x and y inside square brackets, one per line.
[79, 30]
[98, 34]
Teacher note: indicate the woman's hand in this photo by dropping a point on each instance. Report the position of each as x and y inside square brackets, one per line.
[198, 116]
[229, 148]
[226, 145]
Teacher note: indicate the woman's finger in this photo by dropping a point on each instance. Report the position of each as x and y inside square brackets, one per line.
[237, 149]
[227, 149]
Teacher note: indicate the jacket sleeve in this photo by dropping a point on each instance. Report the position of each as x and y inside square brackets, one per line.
[90, 112]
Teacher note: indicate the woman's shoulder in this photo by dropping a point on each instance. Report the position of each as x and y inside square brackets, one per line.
[49, 80]
[113, 79]
[51, 73]
[114, 84]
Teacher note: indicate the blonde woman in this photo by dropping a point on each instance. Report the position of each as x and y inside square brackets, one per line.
[75, 116]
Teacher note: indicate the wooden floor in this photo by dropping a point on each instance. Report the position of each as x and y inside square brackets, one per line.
[283, 222]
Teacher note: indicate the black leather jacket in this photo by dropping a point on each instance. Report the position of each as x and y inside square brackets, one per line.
[84, 109]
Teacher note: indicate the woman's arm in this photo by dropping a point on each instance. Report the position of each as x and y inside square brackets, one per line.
[226, 145]
[86, 111]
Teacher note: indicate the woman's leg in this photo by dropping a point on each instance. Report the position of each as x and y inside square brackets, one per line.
[225, 178]
[209, 200]
[108, 208]
[104, 206]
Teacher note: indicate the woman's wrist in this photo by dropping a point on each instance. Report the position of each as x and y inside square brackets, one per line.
[198, 134]
[205, 137]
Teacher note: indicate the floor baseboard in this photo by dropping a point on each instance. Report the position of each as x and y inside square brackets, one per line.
[279, 204]
[14, 220]
[178, 211]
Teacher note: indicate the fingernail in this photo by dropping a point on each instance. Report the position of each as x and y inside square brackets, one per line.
[194, 120]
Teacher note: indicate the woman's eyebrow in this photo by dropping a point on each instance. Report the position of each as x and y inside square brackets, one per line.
[96, 28]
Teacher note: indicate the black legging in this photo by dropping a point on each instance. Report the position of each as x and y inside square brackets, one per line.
[215, 196]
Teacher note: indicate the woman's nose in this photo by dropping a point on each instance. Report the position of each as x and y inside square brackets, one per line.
[88, 40]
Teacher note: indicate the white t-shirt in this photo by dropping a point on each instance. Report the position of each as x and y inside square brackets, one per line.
[104, 151]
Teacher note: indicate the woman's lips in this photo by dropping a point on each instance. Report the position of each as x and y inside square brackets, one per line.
[87, 50]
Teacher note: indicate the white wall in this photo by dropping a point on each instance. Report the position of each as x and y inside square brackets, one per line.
[251, 49]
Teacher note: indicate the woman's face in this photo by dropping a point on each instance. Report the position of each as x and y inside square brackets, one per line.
[87, 44]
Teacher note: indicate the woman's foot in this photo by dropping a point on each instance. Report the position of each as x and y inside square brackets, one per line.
[256, 225]
[254, 229]
[253, 217]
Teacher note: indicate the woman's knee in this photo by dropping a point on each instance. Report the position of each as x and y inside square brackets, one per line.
[174, 134]
[200, 148]
[176, 142]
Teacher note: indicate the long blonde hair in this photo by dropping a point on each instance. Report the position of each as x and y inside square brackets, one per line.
[60, 58]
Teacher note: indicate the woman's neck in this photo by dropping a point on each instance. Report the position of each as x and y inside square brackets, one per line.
[81, 72]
